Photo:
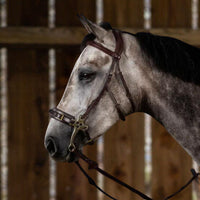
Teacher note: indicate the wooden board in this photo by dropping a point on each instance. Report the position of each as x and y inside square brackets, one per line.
[128, 13]
[171, 165]
[124, 156]
[67, 11]
[71, 184]
[171, 13]
[62, 37]
[27, 108]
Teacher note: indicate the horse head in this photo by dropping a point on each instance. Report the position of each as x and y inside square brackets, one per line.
[96, 95]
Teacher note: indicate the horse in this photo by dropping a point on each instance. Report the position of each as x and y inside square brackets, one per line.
[119, 73]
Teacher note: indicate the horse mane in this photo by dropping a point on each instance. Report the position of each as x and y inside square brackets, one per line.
[171, 56]
[167, 54]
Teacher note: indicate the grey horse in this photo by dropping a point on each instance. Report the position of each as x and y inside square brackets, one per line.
[163, 77]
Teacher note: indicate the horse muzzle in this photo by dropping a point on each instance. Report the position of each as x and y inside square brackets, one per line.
[59, 143]
[57, 152]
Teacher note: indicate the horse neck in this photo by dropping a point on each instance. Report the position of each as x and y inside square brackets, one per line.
[170, 100]
[175, 104]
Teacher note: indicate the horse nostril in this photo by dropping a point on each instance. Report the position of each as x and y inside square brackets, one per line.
[51, 146]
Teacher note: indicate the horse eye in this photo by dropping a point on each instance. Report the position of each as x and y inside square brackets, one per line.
[86, 76]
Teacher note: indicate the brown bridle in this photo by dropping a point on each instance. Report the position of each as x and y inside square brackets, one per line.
[79, 124]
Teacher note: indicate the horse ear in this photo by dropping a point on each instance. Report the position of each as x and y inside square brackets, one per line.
[93, 28]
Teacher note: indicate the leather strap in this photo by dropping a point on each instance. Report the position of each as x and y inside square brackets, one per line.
[116, 57]
[61, 116]
[67, 119]
[117, 105]
[93, 165]
[113, 54]
[96, 101]
[128, 94]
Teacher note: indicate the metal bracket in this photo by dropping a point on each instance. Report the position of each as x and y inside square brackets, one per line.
[79, 125]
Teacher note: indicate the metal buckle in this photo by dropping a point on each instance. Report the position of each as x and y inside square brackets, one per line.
[60, 117]
[116, 56]
[78, 125]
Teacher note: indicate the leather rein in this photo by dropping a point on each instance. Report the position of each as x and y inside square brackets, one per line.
[93, 165]
[80, 125]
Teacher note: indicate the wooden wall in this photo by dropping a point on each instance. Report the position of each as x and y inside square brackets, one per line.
[28, 105]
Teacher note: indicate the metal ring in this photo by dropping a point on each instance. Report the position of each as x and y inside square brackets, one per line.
[71, 147]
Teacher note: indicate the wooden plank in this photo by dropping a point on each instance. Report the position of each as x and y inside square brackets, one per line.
[129, 13]
[40, 36]
[71, 184]
[67, 11]
[169, 173]
[27, 108]
[124, 156]
[171, 13]
[60, 37]
[171, 165]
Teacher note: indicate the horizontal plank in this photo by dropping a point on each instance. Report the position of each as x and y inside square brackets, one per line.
[41, 37]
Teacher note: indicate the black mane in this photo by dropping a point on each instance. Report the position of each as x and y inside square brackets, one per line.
[167, 54]
[172, 56]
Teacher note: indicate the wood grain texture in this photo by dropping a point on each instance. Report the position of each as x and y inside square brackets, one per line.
[71, 184]
[127, 13]
[67, 11]
[28, 116]
[27, 108]
[171, 165]
[61, 37]
[124, 156]
[171, 13]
